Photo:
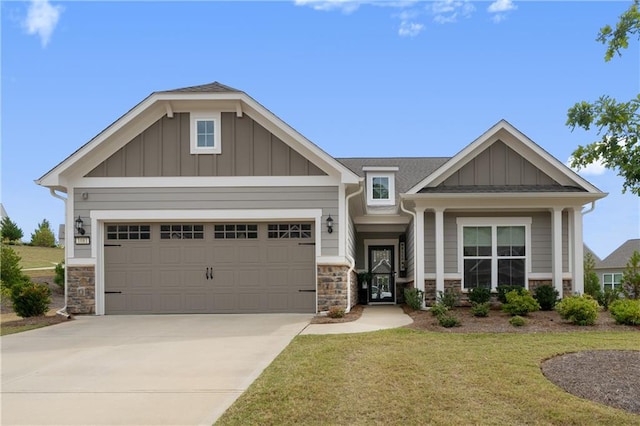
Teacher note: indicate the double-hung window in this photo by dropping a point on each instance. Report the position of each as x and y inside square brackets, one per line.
[205, 133]
[494, 252]
[611, 281]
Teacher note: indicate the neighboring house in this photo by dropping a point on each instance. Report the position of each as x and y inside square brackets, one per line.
[611, 268]
[62, 240]
[3, 212]
[201, 200]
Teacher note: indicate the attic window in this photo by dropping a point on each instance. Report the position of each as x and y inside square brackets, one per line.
[205, 133]
[381, 188]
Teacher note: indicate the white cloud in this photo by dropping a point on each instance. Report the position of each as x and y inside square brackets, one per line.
[410, 29]
[42, 19]
[501, 6]
[448, 11]
[596, 168]
[345, 6]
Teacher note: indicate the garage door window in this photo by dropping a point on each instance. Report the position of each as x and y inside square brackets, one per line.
[289, 230]
[181, 232]
[128, 232]
[233, 231]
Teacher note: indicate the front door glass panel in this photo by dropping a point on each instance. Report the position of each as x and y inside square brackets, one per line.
[381, 266]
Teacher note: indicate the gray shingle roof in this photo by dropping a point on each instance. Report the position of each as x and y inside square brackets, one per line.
[595, 256]
[620, 256]
[411, 170]
[214, 87]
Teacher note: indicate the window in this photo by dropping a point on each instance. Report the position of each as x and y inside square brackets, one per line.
[205, 133]
[128, 232]
[289, 230]
[235, 231]
[611, 281]
[181, 232]
[493, 254]
[380, 188]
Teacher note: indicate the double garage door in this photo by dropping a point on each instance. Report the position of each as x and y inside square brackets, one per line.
[155, 268]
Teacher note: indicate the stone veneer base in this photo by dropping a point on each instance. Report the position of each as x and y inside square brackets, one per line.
[81, 289]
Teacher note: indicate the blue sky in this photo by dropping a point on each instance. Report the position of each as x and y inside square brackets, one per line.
[358, 78]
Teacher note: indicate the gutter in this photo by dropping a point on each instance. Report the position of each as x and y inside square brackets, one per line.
[592, 208]
[350, 259]
[63, 312]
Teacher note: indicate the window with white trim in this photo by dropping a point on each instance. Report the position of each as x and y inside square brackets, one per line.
[611, 281]
[205, 133]
[494, 254]
[381, 189]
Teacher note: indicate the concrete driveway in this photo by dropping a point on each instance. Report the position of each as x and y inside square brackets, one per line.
[138, 370]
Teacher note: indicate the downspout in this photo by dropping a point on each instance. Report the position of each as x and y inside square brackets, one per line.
[350, 259]
[63, 311]
[593, 207]
[415, 242]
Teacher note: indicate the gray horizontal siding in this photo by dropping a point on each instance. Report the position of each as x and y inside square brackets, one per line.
[410, 250]
[281, 198]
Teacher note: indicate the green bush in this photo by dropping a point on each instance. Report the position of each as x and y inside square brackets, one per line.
[31, 300]
[626, 311]
[517, 321]
[10, 230]
[608, 296]
[59, 277]
[520, 302]
[480, 309]
[414, 297]
[479, 295]
[439, 309]
[503, 289]
[448, 321]
[547, 297]
[580, 310]
[449, 298]
[336, 312]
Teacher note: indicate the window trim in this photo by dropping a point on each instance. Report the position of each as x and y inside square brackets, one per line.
[216, 117]
[392, 189]
[494, 223]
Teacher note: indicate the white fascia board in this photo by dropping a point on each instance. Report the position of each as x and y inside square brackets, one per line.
[380, 168]
[206, 181]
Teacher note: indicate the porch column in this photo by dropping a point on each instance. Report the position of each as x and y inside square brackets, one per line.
[578, 251]
[419, 250]
[556, 249]
[439, 222]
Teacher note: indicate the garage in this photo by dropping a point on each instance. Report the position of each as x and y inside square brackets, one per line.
[167, 268]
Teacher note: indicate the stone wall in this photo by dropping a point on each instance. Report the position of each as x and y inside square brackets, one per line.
[430, 295]
[81, 289]
[333, 287]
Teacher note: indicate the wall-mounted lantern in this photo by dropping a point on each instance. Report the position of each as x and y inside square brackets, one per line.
[330, 224]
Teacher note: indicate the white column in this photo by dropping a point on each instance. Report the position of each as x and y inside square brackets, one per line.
[439, 216]
[419, 250]
[578, 251]
[556, 248]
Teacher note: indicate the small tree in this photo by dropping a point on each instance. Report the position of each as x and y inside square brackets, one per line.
[631, 277]
[591, 281]
[11, 274]
[10, 230]
[43, 236]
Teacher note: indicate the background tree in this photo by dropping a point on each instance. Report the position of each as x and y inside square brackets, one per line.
[10, 230]
[43, 236]
[631, 277]
[591, 281]
[617, 123]
[11, 274]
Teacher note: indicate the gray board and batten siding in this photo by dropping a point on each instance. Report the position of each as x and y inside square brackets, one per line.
[163, 149]
[211, 198]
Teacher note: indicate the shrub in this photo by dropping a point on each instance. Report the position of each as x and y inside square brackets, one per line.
[517, 321]
[439, 309]
[626, 311]
[414, 297]
[480, 309]
[479, 295]
[11, 274]
[607, 297]
[335, 312]
[448, 321]
[547, 297]
[520, 302]
[449, 298]
[580, 310]
[503, 289]
[31, 299]
[59, 277]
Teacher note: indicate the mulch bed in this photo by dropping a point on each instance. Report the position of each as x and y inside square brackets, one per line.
[353, 315]
[43, 320]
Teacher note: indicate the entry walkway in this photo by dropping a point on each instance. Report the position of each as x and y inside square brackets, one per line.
[374, 317]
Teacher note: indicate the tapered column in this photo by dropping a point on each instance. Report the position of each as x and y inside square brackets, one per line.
[556, 249]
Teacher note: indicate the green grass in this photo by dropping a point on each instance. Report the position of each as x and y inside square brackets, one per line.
[403, 376]
[39, 257]
[12, 329]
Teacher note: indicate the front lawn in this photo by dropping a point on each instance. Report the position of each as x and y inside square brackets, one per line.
[39, 257]
[404, 376]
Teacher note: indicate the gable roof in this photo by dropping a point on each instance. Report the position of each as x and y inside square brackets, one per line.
[161, 103]
[569, 180]
[619, 257]
[596, 258]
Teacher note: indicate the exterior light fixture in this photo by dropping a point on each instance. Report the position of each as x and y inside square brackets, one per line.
[79, 226]
[330, 224]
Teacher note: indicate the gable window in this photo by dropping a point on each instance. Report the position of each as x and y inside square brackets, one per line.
[381, 186]
[205, 133]
[493, 253]
[611, 281]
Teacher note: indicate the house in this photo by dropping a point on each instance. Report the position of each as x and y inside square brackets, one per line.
[611, 268]
[201, 200]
